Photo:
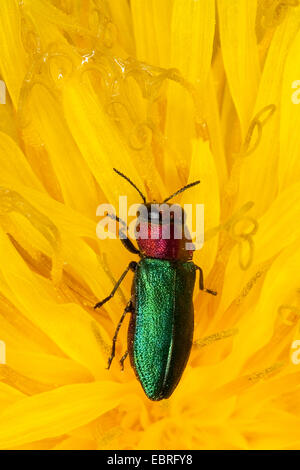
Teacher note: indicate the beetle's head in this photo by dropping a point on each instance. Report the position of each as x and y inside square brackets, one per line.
[160, 227]
[157, 214]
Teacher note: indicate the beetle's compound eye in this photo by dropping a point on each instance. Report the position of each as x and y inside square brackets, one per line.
[154, 216]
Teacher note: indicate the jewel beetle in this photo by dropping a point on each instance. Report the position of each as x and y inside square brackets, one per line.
[160, 332]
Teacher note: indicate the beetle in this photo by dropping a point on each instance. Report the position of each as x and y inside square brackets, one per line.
[160, 332]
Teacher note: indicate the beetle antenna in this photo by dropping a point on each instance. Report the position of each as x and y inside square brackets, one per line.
[190, 185]
[132, 184]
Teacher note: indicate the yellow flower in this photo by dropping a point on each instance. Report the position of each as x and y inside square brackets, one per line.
[167, 92]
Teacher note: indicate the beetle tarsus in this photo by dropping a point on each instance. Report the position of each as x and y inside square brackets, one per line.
[201, 282]
[99, 304]
[122, 360]
[212, 292]
[128, 308]
[109, 363]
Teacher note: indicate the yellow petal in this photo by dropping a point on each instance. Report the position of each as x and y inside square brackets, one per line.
[56, 412]
[98, 140]
[289, 168]
[207, 192]
[122, 18]
[66, 159]
[12, 61]
[66, 324]
[151, 26]
[240, 54]
[281, 281]
[192, 30]
[258, 178]
[47, 369]
[75, 443]
[277, 228]
[14, 166]
[9, 395]
[280, 226]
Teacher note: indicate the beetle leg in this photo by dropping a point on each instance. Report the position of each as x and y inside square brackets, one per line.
[123, 359]
[201, 282]
[128, 308]
[125, 241]
[130, 246]
[115, 217]
[132, 267]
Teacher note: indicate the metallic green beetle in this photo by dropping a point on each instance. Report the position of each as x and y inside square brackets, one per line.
[160, 332]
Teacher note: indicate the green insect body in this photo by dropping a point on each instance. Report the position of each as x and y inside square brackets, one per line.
[161, 328]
